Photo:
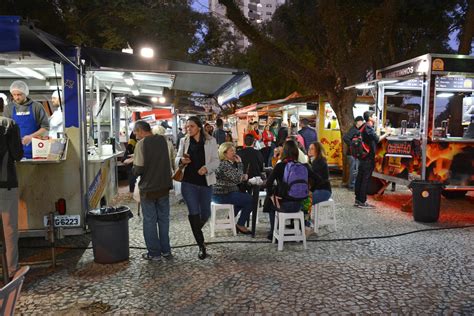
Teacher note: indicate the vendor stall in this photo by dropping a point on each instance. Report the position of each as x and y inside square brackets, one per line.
[428, 103]
[91, 81]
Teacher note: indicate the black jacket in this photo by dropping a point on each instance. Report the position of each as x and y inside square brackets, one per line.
[371, 139]
[252, 160]
[347, 138]
[11, 150]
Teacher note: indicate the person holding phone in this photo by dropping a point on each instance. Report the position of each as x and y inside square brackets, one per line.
[197, 152]
[229, 174]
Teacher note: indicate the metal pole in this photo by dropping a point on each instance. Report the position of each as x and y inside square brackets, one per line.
[83, 136]
[52, 239]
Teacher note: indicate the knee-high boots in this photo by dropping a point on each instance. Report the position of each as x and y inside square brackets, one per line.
[196, 225]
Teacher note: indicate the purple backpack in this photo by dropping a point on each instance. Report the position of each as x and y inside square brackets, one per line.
[295, 181]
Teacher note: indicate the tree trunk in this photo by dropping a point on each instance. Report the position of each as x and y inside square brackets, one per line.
[467, 31]
[343, 105]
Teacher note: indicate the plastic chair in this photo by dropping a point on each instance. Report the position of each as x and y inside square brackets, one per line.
[227, 223]
[283, 234]
[324, 214]
[10, 293]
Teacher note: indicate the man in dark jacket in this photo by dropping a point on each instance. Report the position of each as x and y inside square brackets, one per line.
[11, 150]
[219, 133]
[282, 134]
[352, 161]
[151, 161]
[367, 165]
[308, 133]
[251, 158]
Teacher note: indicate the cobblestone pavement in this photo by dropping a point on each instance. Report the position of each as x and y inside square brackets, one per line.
[428, 272]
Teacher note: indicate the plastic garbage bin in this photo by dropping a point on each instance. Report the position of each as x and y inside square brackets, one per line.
[426, 200]
[109, 228]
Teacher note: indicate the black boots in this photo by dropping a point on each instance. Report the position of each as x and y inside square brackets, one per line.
[196, 225]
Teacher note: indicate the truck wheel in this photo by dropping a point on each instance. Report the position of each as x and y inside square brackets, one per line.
[454, 194]
[375, 184]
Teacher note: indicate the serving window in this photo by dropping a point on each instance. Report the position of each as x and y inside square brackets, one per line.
[453, 107]
[403, 111]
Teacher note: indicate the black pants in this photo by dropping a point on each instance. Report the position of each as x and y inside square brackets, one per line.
[366, 167]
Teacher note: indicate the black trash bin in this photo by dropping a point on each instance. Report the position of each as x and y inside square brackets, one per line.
[109, 228]
[426, 200]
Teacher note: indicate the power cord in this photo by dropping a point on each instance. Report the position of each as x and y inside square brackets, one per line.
[266, 242]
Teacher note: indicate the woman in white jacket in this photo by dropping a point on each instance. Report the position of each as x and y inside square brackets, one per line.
[198, 153]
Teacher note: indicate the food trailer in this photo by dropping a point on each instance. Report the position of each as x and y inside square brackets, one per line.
[428, 103]
[92, 81]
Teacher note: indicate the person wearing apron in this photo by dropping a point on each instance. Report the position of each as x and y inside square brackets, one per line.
[30, 116]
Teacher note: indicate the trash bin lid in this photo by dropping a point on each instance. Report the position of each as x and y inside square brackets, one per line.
[110, 213]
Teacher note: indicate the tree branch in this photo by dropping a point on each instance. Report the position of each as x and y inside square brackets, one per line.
[314, 80]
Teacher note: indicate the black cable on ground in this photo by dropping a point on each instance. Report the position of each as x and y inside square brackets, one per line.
[266, 242]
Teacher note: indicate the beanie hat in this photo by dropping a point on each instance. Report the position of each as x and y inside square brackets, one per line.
[20, 86]
[56, 94]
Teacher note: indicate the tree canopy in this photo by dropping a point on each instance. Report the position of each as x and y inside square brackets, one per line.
[172, 28]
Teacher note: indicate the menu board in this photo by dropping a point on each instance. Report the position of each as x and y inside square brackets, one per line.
[455, 83]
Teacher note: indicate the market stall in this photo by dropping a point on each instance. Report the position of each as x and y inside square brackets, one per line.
[92, 82]
[428, 103]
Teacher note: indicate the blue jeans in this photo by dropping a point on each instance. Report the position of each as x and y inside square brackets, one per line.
[353, 167]
[321, 196]
[241, 201]
[156, 211]
[198, 199]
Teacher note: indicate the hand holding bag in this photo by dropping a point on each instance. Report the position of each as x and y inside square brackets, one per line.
[179, 173]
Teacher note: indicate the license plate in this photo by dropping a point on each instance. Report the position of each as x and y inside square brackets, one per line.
[64, 220]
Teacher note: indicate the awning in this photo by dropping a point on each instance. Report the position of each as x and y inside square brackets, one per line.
[21, 42]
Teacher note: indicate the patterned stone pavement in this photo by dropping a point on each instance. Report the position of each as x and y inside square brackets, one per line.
[428, 272]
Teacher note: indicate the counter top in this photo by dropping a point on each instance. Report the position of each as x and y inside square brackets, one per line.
[454, 140]
[39, 161]
[104, 158]
[401, 138]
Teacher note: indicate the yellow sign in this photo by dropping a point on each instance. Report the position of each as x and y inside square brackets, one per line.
[438, 64]
[97, 187]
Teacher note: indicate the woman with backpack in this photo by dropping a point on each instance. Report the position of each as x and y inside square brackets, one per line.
[322, 187]
[292, 184]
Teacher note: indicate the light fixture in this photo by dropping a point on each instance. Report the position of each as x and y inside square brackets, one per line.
[147, 52]
[423, 66]
[363, 86]
[128, 78]
[445, 95]
[128, 50]
[154, 99]
[135, 91]
[389, 81]
[162, 100]
[26, 72]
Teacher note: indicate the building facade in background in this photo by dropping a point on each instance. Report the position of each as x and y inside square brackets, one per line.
[257, 11]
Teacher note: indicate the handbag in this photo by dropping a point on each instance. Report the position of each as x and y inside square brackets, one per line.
[178, 175]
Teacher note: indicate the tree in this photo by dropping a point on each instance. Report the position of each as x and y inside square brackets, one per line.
[327, 45]
[465, 25]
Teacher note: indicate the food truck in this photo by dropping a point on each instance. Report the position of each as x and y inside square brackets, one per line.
[428, 103]
[93, 81]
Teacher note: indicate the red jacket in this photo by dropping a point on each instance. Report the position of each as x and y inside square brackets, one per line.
[268, 138]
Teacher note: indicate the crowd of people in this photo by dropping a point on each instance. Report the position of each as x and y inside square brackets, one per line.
[215, 170]
[212, 168]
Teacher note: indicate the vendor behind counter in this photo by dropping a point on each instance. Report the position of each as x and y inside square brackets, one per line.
[29, 115]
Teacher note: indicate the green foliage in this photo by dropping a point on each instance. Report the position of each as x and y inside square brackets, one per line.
[172, 28]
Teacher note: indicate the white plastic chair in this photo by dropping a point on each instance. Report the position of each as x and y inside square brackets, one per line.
[324, 214]
[10, 293]
[283, 234]
[227, 223]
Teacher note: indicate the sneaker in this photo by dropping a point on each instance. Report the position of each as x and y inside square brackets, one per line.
[167, 256]
[147, 256]
[357, 203]
[365, 205]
